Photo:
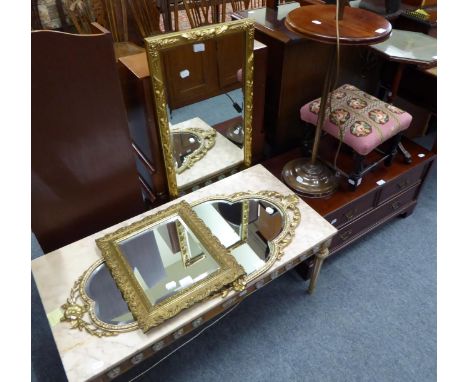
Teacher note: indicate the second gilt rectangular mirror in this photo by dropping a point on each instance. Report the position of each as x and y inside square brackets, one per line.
[202, 81]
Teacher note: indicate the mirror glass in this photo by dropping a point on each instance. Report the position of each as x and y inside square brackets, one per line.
[167, 258]
[184, 144]
[109, 306]
[203, 76]
[245, 227]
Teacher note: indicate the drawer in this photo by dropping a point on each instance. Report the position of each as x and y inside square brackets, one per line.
[352, 211]
[374, 218]
[400, 184]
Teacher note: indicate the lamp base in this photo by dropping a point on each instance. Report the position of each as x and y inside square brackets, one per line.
[236, 134]
[312, 180]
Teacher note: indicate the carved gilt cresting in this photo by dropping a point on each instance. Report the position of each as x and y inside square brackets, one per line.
[156, 45]
[207, 139]
[79, 308]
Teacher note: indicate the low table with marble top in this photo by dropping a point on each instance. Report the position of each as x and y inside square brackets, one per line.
[87, 357]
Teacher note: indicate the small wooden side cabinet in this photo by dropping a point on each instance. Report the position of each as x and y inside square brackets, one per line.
[383, 194]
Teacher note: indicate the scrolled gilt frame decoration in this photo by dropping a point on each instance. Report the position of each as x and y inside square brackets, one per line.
[145, 313]
[287, 204]
[157, 44]
[80, 304]
[207, 138]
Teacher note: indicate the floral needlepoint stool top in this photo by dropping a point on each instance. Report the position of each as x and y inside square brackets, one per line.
[359, 120]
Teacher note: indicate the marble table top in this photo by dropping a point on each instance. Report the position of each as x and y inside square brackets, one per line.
[84, 356]
[223, 156]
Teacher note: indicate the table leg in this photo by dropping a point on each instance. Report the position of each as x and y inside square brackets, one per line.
[319, 258]
[392, 96]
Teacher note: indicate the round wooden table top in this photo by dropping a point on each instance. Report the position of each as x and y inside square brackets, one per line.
[358, 27]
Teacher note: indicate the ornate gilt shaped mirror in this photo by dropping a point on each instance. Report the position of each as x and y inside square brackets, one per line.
[213, 99]
[172, 255]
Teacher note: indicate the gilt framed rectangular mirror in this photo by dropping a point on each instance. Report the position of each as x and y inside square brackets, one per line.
[203, 83]
[167, 262]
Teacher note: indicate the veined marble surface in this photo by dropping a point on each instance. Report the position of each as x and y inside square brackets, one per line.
[223, 156]
[85, 356]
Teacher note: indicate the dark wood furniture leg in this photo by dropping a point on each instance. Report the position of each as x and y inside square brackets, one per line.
[391, 97]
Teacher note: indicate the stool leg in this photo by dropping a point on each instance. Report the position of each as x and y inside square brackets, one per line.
[355, 177]
[393, 149]
[405, 153]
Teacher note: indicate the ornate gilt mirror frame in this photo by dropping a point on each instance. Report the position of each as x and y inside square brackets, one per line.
[145, 313]
[158, 44]
[79, 309]
[287, 204]
[207, 139]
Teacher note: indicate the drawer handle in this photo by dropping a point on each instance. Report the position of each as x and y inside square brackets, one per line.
[350, 214]
[403, 184]
[396, 205]
[346, 235]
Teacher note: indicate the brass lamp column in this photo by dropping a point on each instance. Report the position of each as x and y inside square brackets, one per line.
[309, 176]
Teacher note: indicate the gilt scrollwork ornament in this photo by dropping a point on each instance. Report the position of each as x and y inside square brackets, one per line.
[79, 310]
[207, 140]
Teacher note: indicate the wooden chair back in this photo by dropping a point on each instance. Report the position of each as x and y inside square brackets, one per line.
[147, 16]
[252, 4]
[239, 5]
[200, 12]
[81, 14]
[83, 171]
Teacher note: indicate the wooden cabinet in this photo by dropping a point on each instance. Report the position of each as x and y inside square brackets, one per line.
[383, 194]
[83, 175]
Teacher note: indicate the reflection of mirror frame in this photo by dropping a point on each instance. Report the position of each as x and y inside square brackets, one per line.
[207, 141]
[287, 204]
[157, 44]
[145, 313]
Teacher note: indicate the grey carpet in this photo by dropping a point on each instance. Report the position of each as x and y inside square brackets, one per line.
[214, 110]
[372, 318]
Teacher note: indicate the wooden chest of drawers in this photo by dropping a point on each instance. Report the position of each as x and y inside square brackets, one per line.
[383, 194]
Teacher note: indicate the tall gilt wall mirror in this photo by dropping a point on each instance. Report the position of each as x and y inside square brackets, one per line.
[202, 83]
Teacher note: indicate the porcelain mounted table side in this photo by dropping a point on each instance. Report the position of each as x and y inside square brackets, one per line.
[318, 23]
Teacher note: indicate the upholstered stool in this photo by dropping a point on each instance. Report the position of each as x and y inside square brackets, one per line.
[363, 123]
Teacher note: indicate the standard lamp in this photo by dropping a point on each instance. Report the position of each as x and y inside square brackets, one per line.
[308, 176]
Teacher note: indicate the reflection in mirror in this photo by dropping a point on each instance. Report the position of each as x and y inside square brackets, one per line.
[166, 259]
[190, 145]
[109, 305]
[203, 80]
[184, 144]
[245, 227]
